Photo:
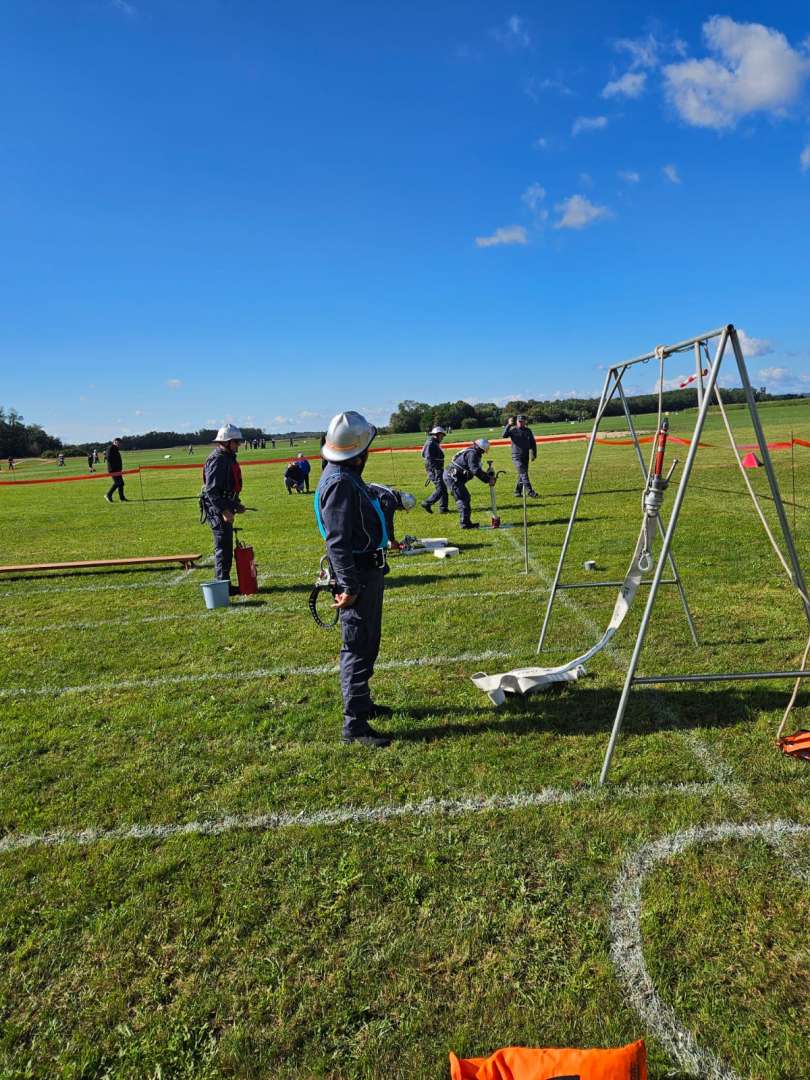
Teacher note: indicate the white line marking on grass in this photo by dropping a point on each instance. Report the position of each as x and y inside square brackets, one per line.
[626, 946]
[243, 610]
[242, 676]
[347, 815]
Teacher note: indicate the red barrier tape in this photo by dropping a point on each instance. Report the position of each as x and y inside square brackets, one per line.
[67, 479]
[580, 436]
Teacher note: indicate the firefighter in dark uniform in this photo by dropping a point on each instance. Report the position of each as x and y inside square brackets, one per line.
[523, 444]
[433, 456]
[464, 466]
[115, 467]
[352, 523]
[219, 498]
[392, 500]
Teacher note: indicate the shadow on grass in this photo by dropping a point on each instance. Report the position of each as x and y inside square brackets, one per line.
[99, 572]
[566, 710]
[392, 582]
[283, 588]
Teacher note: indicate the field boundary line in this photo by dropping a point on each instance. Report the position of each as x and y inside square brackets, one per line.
[351, 815]
[241, 676]
[626, 945]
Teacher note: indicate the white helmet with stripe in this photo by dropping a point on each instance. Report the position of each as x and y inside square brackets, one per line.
[228, 432]
[347, 436]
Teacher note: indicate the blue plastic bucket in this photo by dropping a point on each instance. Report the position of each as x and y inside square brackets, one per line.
[216, 593]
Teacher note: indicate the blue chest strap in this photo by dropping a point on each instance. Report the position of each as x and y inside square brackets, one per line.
[361, 487]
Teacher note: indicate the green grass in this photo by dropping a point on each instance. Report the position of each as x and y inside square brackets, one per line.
[371, 949]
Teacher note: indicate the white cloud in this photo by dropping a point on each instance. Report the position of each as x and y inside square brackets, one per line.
[533, 196]
[630, 85]
[533, 87]
[514, 34]
[775, 374]
[585, 179]
[128, 9]
[643, 51]
[541, 144]
[507, 234]
[576, 212]
[753, 347]
[280, 419]
[139, 412]
[804, 158]
[307, 414]
[174, 384]
[629, 176]
[754, 69]
[671, 173]
[589, 123]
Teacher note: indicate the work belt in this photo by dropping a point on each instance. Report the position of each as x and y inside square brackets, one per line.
[372, 560]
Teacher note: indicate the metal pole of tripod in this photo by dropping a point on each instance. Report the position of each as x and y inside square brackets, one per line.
[525, 535]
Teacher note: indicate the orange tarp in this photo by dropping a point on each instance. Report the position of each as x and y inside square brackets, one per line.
[519, 1063]
[796, 745]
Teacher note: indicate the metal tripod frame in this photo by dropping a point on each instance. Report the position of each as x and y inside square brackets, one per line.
[612, 386]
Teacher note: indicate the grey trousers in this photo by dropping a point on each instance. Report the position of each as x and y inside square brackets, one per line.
[223, 548]
[440, 494]
[459, 492]
[361, 629]
[522, 468]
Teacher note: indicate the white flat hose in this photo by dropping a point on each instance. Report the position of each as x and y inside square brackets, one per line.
[526, 680]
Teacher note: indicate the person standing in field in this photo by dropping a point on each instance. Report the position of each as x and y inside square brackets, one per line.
[304, 469]
[220, 498]
[352, 522]
[90, 461]
[523, 444]
[433, 457]
[115, 467]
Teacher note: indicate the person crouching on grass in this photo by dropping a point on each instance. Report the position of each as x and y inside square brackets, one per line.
[220, 501]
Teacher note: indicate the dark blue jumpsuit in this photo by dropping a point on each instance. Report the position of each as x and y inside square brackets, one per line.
[353, 525]
[523, 444]
[433, 456]
[464, 466]
[222, 482]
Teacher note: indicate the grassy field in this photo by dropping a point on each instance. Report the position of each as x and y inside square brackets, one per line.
[198, 880]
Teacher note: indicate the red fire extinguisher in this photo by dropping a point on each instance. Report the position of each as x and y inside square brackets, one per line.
[245, 567]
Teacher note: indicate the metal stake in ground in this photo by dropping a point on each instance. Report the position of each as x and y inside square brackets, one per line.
[525, 535]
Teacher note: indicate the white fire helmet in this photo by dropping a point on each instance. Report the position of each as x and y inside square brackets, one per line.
[408, 500]
[437, 431]
[347, 436]
[482, 444]
[228, 432]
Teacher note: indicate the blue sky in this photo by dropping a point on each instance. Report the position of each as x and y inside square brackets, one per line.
[268, 212]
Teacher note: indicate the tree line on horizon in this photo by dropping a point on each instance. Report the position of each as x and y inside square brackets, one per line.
[18, 439]
[413, 416]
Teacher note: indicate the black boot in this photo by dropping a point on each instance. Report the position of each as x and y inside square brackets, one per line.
[426, 506]
[366, 736]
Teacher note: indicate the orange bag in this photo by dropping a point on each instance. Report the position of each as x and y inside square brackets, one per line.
[518, 1063]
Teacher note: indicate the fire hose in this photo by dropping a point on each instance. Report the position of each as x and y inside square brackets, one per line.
[525, 680]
